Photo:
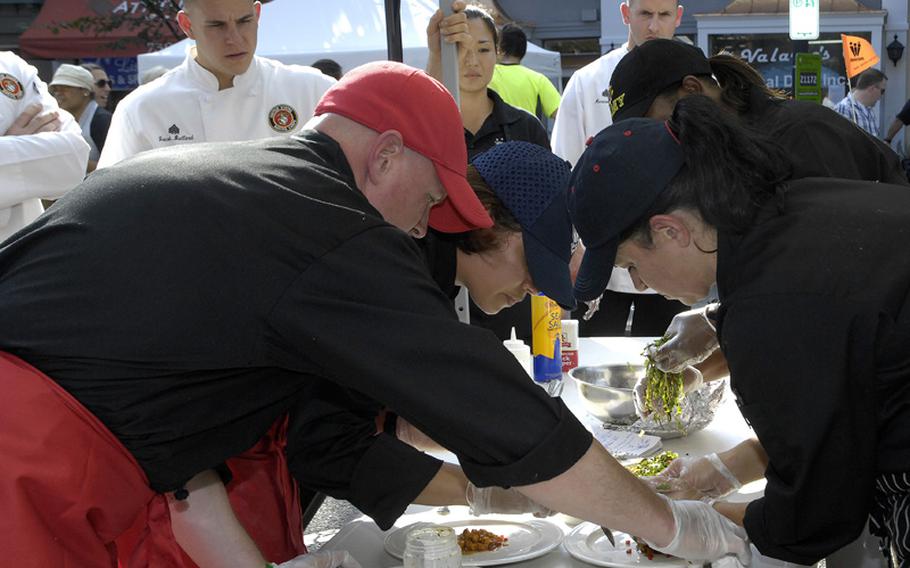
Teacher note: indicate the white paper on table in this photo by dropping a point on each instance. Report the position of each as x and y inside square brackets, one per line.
[623, 445]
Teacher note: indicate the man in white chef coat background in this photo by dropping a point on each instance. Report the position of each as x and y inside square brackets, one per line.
[42, 152]
[221, 92]
[583, 112]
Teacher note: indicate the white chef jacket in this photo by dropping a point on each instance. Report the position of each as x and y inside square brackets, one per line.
[583, 112]
[585, 107]
[33, 166]
[184, 106]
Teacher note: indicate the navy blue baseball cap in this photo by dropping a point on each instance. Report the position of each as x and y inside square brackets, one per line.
[617, 179]
[531, 182]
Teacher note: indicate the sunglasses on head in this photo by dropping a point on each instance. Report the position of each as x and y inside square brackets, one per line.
[104, 83]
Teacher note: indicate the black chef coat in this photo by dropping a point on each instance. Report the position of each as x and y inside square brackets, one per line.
[822, 143]
[815, 327]
[190, 296]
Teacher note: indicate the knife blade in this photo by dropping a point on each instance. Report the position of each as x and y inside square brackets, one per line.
[609, 534]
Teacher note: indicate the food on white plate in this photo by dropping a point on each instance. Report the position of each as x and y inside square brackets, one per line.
[644, 549]
[480, 540]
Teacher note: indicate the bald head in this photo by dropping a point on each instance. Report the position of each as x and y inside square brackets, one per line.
[400, 183]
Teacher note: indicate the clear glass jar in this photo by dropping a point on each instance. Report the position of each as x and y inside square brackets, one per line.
[432, 547]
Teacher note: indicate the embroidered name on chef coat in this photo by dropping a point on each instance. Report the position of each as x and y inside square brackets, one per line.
[174, 135]
[283, 118]
[10, 86]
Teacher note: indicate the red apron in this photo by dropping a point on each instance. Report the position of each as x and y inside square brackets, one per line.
[68, 487]
[264, 497]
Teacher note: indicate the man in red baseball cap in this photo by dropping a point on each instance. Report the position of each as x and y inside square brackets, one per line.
[389, 96]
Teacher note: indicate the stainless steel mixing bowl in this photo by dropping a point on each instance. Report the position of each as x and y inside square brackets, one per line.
[606, 390]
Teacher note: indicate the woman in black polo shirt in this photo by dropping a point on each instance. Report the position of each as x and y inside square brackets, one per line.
[814, 319]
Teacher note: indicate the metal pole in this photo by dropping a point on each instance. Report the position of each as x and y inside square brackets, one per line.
[450, 80]
[393, 29]
[449, 58]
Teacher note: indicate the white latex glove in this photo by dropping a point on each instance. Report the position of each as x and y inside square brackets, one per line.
[703, 534]
[692, 340]
[322, 559]
[411, 435]
[705, 478]
[483, 500]
[692, 379]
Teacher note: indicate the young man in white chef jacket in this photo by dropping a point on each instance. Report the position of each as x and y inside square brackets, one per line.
[221, 92]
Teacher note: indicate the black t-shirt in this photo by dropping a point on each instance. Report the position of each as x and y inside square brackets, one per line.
[505, 123]
[822, 143]
[815, 326]
[189, 296]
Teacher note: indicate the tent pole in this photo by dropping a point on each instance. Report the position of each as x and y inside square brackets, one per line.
[393, 29]
[450, 80]
[450, 58]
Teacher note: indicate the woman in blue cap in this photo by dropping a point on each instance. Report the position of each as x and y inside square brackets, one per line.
[814, 320]
[522, 186]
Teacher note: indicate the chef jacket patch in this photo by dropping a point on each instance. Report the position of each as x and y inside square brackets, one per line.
[10, 86]
[282, 118]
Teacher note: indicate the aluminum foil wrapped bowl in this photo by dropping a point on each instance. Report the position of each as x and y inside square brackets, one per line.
[606, 393]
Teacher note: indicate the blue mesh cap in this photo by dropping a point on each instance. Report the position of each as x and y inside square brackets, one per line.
[531, 182]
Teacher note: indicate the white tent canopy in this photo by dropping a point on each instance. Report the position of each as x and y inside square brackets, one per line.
[351, 32]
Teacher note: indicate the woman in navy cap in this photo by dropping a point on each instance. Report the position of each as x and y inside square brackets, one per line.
[814, 319]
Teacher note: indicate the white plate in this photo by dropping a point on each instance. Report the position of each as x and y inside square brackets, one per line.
[587, 543]
[527, 540]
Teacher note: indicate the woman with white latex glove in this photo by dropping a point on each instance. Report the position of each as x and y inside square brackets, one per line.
[483, 500]
[705, 478]
[692, 339]
[713, 476]
[321, 559]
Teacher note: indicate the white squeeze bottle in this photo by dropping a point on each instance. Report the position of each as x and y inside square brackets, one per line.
[521, 351]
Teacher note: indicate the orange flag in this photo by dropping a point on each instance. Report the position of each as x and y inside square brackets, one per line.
[858, 54]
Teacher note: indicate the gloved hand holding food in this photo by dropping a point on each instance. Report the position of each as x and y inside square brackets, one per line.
[704, 534]
[661, 393]
[483, 500]
[321, 559]
[705, 477]
[691, 338]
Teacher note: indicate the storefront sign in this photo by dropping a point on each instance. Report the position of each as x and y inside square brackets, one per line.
[772, 56]
[803, 19]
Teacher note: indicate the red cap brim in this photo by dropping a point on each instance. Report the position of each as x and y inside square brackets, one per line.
[461, 211]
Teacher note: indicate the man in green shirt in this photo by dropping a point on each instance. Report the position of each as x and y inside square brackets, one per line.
[518, 85]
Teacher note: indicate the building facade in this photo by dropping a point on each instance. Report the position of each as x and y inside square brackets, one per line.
[755, 30]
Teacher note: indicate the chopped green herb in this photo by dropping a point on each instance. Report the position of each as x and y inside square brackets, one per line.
[664, 392]
[652, 466]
